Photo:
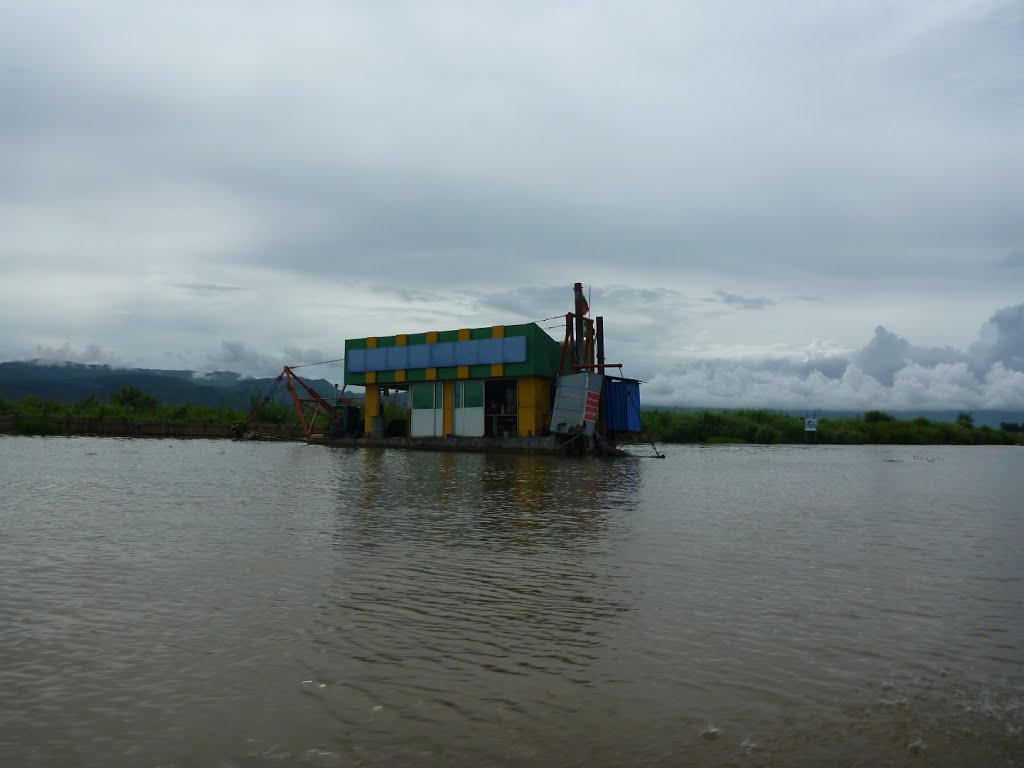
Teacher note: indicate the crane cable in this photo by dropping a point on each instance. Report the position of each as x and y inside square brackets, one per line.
[322, 362]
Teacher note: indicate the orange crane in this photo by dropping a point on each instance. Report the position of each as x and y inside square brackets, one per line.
[306, 408]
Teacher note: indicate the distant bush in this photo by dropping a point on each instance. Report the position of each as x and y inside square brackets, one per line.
[134, 398]
[878, 417]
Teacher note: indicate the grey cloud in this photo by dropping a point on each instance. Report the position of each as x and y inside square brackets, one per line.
[91, 354]
[467, 162]
[476, 196]
[551, 302]
[208, 289]
[744, 302]
[1001, 340]
[885, 354]
[233, 355]
[414, 296]
[237, 356]
[829, 367]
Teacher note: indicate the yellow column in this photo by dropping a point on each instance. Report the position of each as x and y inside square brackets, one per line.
[370, 407]
[534, 405]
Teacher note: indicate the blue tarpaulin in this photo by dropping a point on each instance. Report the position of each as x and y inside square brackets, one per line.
[622, 406]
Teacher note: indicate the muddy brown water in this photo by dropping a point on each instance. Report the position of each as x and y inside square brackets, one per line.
[212, 603]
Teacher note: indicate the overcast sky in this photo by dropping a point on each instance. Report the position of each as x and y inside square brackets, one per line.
[773, 203]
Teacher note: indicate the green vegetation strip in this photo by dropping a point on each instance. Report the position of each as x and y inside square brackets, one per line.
[768, 427]
[34, 416]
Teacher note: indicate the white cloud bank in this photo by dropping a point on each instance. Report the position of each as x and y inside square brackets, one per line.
[887, 373]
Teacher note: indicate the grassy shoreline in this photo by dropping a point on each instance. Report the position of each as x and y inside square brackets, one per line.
[132, 412]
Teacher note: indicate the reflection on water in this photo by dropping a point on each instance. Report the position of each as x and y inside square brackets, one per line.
[484, 499]
[227, 604]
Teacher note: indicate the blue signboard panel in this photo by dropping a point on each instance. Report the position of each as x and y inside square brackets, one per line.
[440, 355]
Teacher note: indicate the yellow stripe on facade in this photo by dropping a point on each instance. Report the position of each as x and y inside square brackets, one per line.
[431, 337]
[464, 334]
[371, 342]
[371, 377]
[401, 340]
[497, 332]
[463, 372]
[431, 374]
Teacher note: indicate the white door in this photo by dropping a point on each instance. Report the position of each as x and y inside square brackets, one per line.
[469, 408]
[427, 409]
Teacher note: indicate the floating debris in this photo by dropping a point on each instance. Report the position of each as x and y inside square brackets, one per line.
[917, 746]
[711, 732]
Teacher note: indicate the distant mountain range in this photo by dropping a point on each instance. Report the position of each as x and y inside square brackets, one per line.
[71, 382]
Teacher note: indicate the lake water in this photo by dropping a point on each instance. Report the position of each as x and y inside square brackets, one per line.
[208, 603]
